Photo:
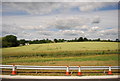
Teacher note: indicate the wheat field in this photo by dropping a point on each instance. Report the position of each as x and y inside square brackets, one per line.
[69, 53]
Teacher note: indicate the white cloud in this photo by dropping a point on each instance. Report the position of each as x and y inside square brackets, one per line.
[46, 33]
[72, 32]
[90, 6]
[10, 29]
[99, 24]
[69, 22]
[96, 20]
[109, 32]
[60, 1]
[49, 7]
[33, 8]
[94, 28]
[40, 27]
[83, 28]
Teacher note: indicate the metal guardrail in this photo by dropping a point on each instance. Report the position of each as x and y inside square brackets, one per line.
[67, 68]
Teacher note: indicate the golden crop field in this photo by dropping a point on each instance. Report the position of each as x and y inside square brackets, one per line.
[69, 53]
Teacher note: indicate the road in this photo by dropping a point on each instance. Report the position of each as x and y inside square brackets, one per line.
[60, 79]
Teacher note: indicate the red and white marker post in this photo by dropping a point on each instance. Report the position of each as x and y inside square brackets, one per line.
[79, 71]
[110, 71]
[14, 70]
[67, 71]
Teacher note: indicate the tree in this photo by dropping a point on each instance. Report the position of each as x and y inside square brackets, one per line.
[98, 39]
[75, 40]
[80, 39]
[117, 40]
[22, 41]
[85, 39]
[9, 41]
[55, 40]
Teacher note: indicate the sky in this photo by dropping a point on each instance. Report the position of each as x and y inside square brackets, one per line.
[61, 20]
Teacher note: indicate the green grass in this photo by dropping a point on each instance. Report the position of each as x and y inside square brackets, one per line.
[62, 49]
[85, 58]
[110, 59]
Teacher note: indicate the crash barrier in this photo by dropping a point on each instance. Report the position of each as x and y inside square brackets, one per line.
[67, 68]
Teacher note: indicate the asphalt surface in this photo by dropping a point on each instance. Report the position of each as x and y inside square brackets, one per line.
[60, 79]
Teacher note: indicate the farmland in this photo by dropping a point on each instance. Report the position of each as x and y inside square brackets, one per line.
[68, 53]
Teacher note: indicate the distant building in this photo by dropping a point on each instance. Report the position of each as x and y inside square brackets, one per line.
[21, 44]
[27, 44]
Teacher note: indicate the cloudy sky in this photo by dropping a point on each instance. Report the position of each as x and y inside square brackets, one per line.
[68, 20]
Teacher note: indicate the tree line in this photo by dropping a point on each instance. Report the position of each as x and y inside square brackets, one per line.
[12, 41]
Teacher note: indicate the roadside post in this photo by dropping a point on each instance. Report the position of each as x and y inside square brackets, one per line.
[14, 70]
[110, 71]
[79, 71]
[67, 71]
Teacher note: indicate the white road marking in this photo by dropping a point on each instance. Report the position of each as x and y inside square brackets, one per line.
[59, 77]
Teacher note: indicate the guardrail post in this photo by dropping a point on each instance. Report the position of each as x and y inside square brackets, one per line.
[14, 70]
[109, 72]
[79, 71]
[67, 71]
